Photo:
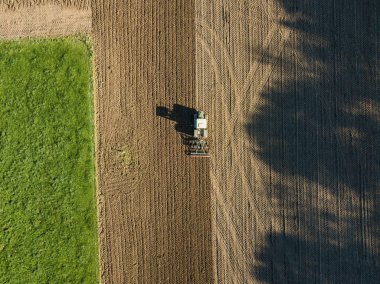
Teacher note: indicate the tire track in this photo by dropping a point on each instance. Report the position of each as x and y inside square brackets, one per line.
[230, 154]
[231, 124]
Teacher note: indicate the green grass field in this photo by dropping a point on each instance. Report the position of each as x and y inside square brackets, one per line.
[47, 177]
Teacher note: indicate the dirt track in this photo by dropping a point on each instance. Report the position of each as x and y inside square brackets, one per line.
[292, 91]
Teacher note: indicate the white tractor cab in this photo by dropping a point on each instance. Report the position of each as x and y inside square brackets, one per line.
[198, 145]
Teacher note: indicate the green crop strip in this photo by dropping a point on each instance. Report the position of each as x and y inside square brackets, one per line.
[47, 177]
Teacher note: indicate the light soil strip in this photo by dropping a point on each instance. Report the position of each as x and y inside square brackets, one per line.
[20, 4]
[43, 21]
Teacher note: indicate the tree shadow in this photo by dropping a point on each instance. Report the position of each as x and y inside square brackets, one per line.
[322, 124]
[279, 262]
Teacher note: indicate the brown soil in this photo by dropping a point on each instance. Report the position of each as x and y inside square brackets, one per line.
[154, 200]
[42, 21]
[292, 92]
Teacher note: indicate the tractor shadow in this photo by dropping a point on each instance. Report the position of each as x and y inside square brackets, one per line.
[183, 117]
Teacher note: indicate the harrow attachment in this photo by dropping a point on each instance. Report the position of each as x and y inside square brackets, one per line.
[198, 148]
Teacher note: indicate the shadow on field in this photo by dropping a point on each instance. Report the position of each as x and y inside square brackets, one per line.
[290, 246]
[322, 125]
[183, 116]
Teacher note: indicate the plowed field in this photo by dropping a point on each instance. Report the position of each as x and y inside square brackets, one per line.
[291, 192]
[155, 201]
[292, 88]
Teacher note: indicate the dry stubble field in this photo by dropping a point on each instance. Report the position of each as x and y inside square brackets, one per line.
[291, 193]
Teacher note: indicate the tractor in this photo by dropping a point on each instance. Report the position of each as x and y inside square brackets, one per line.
[198, 144]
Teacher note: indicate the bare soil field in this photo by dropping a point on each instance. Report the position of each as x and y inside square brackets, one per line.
[292, 88]
[154, 200]
[291, 192]
[43, 21]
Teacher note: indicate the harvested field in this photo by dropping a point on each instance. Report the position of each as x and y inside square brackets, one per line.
[292, 89]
